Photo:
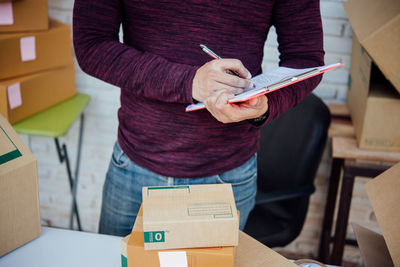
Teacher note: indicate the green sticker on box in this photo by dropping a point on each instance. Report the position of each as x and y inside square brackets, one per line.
[10, 150]
[154, 237]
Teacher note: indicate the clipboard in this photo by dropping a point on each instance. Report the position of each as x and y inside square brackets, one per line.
[271, 81]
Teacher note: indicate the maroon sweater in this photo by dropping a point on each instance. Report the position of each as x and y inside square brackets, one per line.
[156, 63]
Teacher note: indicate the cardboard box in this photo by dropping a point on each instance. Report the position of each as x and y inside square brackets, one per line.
[24, 15]
[26, 53]
[19, 199]
[133, 246]
[383, 192]
[189, 216]
[249, 253]
[33, 93]
[374, 104]
[377, 26]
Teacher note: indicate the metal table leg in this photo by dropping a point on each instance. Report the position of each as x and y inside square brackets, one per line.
[73, 180]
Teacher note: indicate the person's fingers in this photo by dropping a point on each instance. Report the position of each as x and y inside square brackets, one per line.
[227, 88]
[213, 76]
[233, 80]
[234, 65]
[222, 98]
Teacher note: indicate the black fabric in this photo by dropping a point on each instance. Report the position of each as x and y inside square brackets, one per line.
[290, 151]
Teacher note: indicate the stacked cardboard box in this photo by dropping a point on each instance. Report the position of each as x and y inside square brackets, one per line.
[374, 85]
[192, 226]
[248, 253]
[19, 200]
[36, 70]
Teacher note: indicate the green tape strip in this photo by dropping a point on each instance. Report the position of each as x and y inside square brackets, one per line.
[168, 187]
[124, 261]
[10, 156]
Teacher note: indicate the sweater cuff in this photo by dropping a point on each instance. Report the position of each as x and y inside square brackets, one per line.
[188, 85]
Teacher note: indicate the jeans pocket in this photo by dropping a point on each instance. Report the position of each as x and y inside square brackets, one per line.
[118, 158]
[242, 175]
[236, 180]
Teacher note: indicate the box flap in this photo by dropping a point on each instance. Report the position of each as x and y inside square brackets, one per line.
[383, 192]
[368, 16]
[372, 246]
[251, 253]
[377, 26]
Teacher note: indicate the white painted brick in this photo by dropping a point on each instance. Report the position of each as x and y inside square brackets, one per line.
[340, 75]
[341, 45]
[325, 91]
[331, 58]
[342, 93]
[333, 9]
[335, 27]
[272, 38]
[61, 4]
[64, 16]
[348, 31]
[271, 53]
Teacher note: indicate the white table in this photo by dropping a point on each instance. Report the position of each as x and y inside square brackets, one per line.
[59, 248]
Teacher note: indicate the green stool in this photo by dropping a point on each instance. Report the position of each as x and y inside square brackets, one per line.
[55, 122]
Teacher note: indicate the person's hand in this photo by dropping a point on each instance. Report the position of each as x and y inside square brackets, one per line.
[217, 104]
[213, 77]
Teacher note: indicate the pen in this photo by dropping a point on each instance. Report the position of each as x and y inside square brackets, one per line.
[212, 54]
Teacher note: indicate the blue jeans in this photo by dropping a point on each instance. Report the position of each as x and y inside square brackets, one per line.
[122, 191]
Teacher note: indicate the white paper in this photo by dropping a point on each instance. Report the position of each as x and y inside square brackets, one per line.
[6, 14]
[14, 95]
[267, 79]
[28, 48]
[172, 259]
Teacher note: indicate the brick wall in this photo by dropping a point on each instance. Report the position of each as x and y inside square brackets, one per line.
[101, 126]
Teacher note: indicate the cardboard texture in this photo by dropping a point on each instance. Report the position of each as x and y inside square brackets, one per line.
[249, 253]
[37, 91]
[196, 257]
[19, 199]
[372, 246]
[28, 15]
[374, 104]
[377, 26]
[26, 53]
[383, 192]
[189, 216]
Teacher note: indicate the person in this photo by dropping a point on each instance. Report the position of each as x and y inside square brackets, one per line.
[161, 69]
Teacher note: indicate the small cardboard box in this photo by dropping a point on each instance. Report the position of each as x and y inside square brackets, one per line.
[25, 96]
[374, 104]
[23, 15]
[133, 246]
[189, 216]
[249, 253]
[384, 194]
[25, 53]
[377, 26]
[19, 199]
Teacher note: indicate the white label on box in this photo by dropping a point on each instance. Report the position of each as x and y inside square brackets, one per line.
[28, 48]
[173, 259]
[6, 14]
[14, 95]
